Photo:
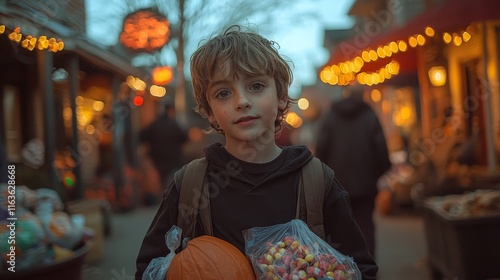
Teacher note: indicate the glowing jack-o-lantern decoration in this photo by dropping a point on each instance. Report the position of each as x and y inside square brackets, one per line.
[145, 31]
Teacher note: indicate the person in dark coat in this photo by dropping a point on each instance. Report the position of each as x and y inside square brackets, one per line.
[165, 138]
[351, 141]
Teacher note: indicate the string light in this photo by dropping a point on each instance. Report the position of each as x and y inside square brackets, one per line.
[31, 42]
[345, 72]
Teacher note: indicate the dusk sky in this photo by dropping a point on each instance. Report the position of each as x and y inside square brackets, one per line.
[303, 43]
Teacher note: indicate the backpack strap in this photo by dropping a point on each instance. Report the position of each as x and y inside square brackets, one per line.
[312, 195]
[194, 199]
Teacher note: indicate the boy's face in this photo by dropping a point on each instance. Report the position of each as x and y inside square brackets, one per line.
[244, 107]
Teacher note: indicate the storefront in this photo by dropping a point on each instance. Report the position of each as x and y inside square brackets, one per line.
[455, 42]
[67, 114]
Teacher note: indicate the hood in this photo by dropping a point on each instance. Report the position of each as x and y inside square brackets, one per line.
[350, 107]
[291, 159]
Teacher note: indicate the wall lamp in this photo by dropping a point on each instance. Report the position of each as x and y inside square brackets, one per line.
[437, 76]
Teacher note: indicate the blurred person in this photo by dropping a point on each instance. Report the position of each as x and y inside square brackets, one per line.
[351, 141]
[165, 139]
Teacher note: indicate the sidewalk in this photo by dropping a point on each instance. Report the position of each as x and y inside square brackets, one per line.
[401, 247]
[122, 246]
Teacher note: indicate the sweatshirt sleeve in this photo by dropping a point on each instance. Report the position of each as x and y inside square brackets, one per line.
[153, 245]
[342, 232]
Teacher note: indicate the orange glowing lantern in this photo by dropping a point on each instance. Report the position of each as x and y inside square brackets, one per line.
[145, 31]
[162, 75]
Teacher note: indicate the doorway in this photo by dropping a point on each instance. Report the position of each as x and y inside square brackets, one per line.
[474, 96]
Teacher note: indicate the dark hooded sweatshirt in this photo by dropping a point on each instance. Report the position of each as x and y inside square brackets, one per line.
[351, 142]
[246, 195]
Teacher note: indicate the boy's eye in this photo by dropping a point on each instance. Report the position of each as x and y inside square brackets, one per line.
[256, 86]
[222, 94]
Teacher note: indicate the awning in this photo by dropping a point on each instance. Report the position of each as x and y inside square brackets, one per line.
[449, 16]
[103, 58]
[23, 13]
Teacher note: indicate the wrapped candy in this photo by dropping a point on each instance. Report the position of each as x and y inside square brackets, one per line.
[34, 229]
[62, 229]
[24, 200]
[30, 241]
[293, 251]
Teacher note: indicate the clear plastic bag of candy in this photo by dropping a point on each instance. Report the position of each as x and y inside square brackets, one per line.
[293, 251]
[157, 268]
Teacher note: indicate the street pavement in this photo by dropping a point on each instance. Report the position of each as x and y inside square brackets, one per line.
[401, 247]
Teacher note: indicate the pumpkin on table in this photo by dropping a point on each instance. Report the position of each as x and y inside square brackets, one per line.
[210, 258]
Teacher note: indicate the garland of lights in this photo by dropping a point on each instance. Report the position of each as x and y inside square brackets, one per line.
[55, 45]
[30, 42]
[344, 73]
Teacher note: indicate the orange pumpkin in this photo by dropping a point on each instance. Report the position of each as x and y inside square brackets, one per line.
[210, 258]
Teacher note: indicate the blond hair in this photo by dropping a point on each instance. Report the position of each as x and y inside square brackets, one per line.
[247, 53]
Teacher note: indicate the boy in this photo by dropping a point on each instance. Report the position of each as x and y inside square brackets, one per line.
[241, 85]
